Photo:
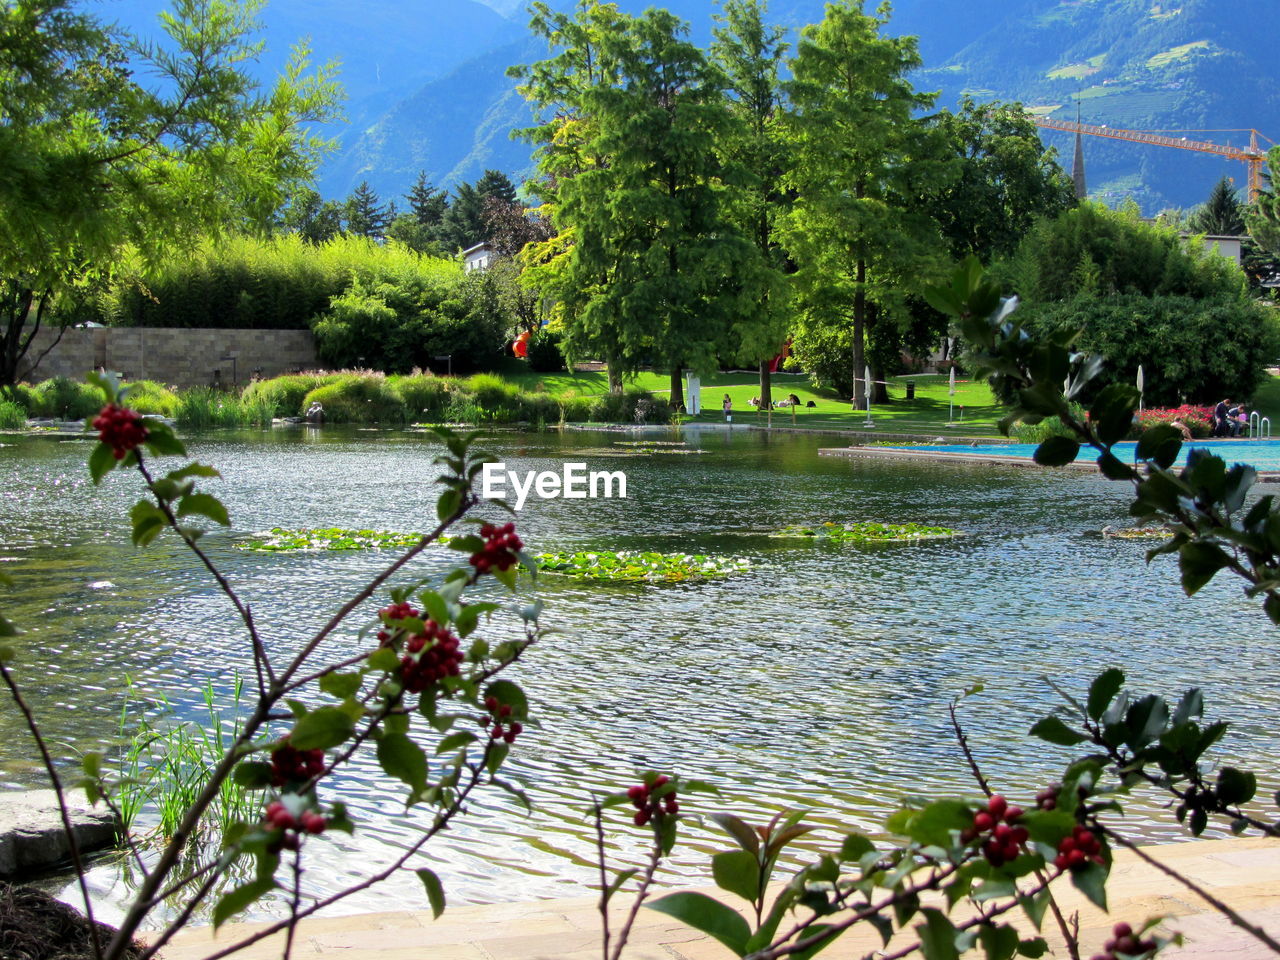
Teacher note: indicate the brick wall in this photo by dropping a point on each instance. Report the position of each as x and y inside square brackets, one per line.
[177, 357]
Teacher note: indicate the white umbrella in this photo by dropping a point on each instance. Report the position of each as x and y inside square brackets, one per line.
[1140, 386]
[953, 393]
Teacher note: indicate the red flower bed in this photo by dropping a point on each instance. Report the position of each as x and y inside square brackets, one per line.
[1199, 420]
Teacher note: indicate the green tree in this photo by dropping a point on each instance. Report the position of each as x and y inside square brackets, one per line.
[312, 218]
[365, 214]
[1222, 214]
[649, 275]
[496, 184]
[750, 53]
[426, 204]
[862, 166]
[96, 165]
[462, 225]
[1263, 216]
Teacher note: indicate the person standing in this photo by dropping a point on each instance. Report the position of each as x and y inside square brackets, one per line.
[727, 407]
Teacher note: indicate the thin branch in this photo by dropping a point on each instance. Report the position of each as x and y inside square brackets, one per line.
[1195, 888]
[604, 881]
[642, 894]
[73, 846]
[968, 754]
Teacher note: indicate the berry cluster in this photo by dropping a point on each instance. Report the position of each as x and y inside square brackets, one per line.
[1124, 941]
[395, 611]
[997, 822]
[277, 818]
[1047, 799]
[430, 657]
[648, 806]
[504, 728]
[499, 550]
[1078, 850]
[120, 429]
[290, 765]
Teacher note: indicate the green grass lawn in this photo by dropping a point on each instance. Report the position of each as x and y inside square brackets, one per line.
[976, 411]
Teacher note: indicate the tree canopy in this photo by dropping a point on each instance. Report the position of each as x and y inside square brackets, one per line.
[94, 164]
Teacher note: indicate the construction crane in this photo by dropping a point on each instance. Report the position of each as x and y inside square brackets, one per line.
[1253, 155]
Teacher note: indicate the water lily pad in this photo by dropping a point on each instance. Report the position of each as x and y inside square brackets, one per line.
[867, 531]
[279, 540]
[636, 567]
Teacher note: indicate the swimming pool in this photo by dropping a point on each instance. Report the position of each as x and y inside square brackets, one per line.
[1262, 454]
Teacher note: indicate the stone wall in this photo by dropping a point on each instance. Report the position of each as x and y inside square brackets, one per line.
[177, 357]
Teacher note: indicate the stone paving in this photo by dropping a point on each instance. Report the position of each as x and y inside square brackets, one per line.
[1244, 873]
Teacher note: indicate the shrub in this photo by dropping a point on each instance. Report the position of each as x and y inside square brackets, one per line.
[539, 408]
[1046, 428]
[203, 407]
[544, 352]
[1199, 420]
[621, 407]
[426, 397]
[284, 395]
[65, 399]
[151, 398]
[358, 397]
[12, 415]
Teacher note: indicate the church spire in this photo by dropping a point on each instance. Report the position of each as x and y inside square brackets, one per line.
[1077, 162]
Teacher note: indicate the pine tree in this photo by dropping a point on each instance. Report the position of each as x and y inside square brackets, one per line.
[1222, 214]
[365, 214]
[496, 184]
[462, 225]
[427, 205]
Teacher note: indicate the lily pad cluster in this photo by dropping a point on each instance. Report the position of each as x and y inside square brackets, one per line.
[279, 540]
[868, 531]
[635, 567]
[1138, 533]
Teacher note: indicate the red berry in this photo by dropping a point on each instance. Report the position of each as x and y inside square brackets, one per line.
[1122, 929]
[1012, 814]
[997, 804]
[638, 792]
[641, 818]
[983, 821]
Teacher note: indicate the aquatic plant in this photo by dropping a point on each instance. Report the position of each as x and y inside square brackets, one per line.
[278, 539]
[639, 566]
[867, 531]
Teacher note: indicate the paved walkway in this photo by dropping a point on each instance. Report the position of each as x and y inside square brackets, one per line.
[1244, 873]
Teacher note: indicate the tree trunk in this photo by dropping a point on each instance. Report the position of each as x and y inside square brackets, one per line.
[766, 386]
[677, 389]
[615, 377]
[859, 324]
[879, 390]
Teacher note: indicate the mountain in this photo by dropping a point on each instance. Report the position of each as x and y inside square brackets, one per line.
[1203, 68]
[428, 87]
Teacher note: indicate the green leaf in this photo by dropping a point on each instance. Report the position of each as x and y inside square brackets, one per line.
[448, 504]
[101, 462]
[738, 872]
[435, 607]
[1056, 451]
[1103, 690]
[321, 729]
[403, 759]
[509, 694]
[1053, 730]
[854, 847]
[1236, 786]
[455, 741]
[1113, 468]
[148, 521]
[1091, 880]
[8, 629]
[937, 936]
[1112, 412]
[435, 892]
[384, 659]
[933, 824]
[1034, 949]
[999, 943]
[1035, 906]
[497, 756]
[1145, 721]
[204, 505]
[739, 830]
[241, 897]
[192, 470]
[252, 774]
[161, 439]
[341, 685]
[713, 918]
[1199, 561]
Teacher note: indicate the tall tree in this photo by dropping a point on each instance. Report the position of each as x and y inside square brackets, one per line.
[1222, 214]
[94, 163]
[427, 205]
[462, 225]
[1264, 212]
[312, 218]
[365, 214]
[863, 162]
[650, 274]
[750, 53]
[498, 185]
